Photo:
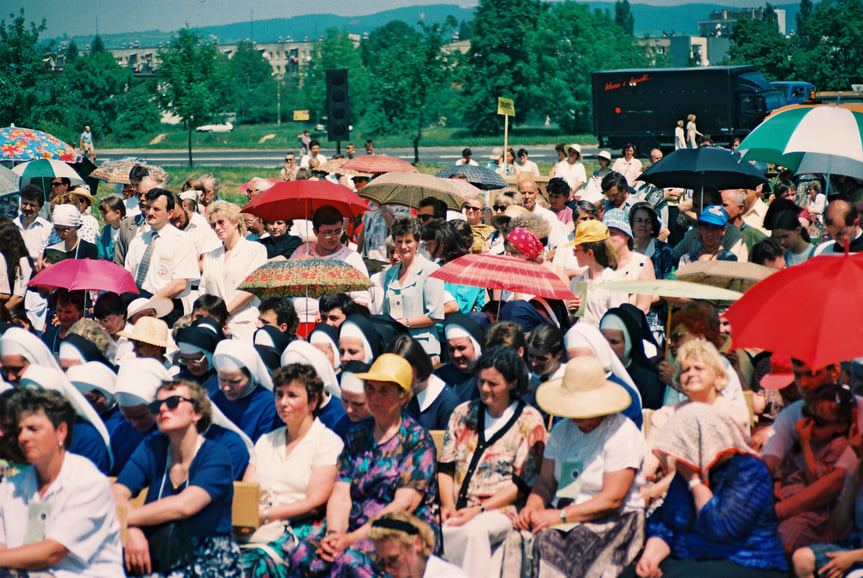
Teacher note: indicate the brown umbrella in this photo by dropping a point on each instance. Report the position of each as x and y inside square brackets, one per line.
[377, 164]
[117, 171]
[733, 275]
[410, 188]
[334, 167]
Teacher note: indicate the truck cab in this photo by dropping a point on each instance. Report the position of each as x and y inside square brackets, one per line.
[795, 91]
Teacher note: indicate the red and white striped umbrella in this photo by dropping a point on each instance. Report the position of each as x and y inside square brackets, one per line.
[506, 273]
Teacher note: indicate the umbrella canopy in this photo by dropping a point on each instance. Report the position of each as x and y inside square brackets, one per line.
[8, 181]
[709, 168]
[673, 288]
[410, 188]
[334, 167]
[507, 273]
[824, 292]
[117, 171]
[85, 274]
[304, 277]
[299, 200]
[377, 164]
[47, 169]
[833, 134]
[480, 177]
[732, 275]
[27, 144]
[247, 185]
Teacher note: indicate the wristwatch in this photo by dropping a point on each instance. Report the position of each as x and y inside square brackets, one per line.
[562, 513]
[695, 482]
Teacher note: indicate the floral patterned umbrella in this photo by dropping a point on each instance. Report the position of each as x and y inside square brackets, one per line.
[304, 277]
[117, 170]
[27, 144]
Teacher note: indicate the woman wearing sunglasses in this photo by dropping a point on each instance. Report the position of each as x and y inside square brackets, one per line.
[188, 504]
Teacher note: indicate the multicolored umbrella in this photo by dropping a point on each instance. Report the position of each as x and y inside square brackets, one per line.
[304, 277]
[377, 164]
[47, 169]
[410, 188]
[27, 144]
[828, 137]
[506, 273]
[480, 177]
[117, 170]
[299, 200]
[812, 311]
[85, 274]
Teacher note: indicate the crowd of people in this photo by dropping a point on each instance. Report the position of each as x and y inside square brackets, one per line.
[420, 427]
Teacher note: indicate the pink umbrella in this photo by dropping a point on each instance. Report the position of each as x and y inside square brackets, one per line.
[85, 274]
[508, 273]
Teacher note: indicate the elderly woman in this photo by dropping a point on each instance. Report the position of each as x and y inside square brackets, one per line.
[226, 267]
[388, 465]
[594, 250]
[184, 526]
[73, 528]
[701, 375]
[585, 509]
[474, 211]
[403, 548]
[67, 222]
[296, 468]
[490, 458]
[411, 297]
[245, 393]
[507, 204]
[718, 517]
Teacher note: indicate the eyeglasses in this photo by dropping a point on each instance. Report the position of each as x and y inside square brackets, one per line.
[500, 208]
[425, 217]
[331, 234]
[172, 402]
[186, 359]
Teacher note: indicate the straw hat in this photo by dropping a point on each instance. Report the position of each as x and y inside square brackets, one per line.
[160, 305]
[589, 232]
[583, 392]
[390, 367]
[83, 191]
[149, 330]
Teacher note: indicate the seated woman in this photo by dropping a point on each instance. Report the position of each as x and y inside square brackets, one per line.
[718, 517]
[432, 402]
[490, 458]
[403, 548]
[190, 485]
[388, 465]
[197, 344]
[594, 250]
[73, 528]
[591, 473]
[296, 468]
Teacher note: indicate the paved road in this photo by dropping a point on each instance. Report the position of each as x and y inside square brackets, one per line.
[272, 158]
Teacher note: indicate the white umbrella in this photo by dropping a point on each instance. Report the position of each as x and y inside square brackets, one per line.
[47, 169]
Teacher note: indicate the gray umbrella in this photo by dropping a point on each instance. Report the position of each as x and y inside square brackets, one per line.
[8, 181]
[480, 177]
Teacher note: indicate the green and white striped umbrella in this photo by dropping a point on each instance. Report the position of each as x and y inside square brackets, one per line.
[810, 139]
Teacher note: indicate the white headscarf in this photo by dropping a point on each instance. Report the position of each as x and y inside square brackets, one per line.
[93, 375]
[322, 337]
[18, 341]
[351, 329]
[233, 354]
[586, 335]
[38, 377]
[302, 352]
[453, 330]
[66, 215]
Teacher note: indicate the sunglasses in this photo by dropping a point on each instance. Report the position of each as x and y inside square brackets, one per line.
[469, 208]
[57, 184]
[425, 218]
[172, 402]
[499, 207]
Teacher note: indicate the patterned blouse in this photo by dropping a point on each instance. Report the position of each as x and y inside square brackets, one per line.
[375, 472]
[480, 467]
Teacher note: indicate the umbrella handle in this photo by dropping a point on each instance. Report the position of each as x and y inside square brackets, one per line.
[668, 329]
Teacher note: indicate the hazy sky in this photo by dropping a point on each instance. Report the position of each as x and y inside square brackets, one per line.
[81, 17]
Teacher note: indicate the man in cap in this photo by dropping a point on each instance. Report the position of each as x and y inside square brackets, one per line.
[463, 337]
[570, 169]
[691, 209]
[712, 223]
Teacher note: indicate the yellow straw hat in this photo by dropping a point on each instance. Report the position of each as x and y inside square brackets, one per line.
[589, 232]
[149, 330]
[583, 392]
[390, 367]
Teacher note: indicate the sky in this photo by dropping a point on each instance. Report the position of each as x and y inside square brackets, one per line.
[84, 17]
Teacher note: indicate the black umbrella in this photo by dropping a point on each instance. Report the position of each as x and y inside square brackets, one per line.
[706, 168]
[480, 177]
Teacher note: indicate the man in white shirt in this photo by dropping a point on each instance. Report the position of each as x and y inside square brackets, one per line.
[35, 230]
[162, 260]
[314, 159]
[558, 234]
[466, 159]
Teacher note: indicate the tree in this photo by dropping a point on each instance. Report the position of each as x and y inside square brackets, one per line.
[194, 81]
[499, 61]
[758, 42]
[834, 57]
[255, 87]
[25, 74]
[138, 112]
[623, 16]
[94, 84]
[569, 42]
[97, 45]
[72, 52]
[409, 67]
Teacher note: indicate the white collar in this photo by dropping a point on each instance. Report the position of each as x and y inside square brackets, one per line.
[427, 396]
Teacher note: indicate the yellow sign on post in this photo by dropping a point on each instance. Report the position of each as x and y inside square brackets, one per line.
[505, 106]
[301, 115]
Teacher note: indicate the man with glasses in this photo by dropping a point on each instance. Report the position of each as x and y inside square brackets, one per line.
[59, 185]
[431, 209]
[289, 172]
[327, 226]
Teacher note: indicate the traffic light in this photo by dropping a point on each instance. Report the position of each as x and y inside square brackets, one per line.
[338, 120]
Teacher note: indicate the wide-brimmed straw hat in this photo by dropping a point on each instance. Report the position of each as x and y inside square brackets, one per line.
[160, 305]
[583, 392]
[390, 367]
[149, 330]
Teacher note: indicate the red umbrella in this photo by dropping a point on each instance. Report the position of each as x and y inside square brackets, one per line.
[377, 164]
[507, 273]
[85, 274]
[812, 311]
[299, 200]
